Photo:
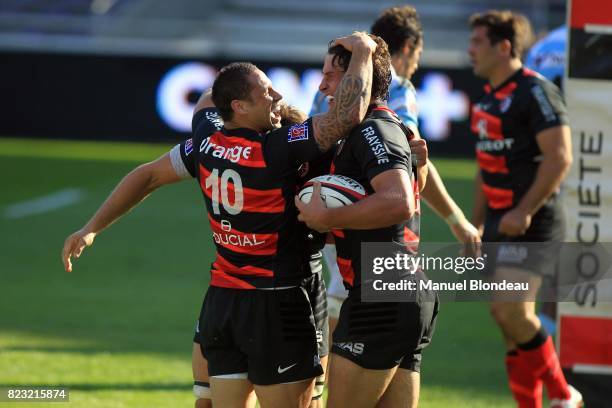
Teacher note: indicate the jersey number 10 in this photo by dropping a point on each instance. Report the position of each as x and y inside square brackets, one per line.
[230, 181]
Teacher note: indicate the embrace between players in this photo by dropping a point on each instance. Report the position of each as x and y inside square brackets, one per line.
[263, 324]
[259, 324]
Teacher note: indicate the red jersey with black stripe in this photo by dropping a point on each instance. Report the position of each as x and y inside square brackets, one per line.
[248, 181]
[506, 121]
[378, 144]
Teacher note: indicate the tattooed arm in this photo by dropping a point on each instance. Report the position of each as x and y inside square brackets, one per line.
[352, 97]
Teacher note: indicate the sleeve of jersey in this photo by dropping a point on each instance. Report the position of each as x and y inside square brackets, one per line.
[292, 145]
[183, 159]
[378, 149]
[206, 120]
[402, 100]
[546, 108]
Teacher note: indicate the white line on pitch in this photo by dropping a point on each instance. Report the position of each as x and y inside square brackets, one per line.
[41, 205]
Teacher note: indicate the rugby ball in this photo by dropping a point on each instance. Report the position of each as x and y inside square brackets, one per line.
[336, 191]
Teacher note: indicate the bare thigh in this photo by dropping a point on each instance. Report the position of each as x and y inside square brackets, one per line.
[291, 395]
[347, 379]
[199, 367]
[403, 392]
[231, 393]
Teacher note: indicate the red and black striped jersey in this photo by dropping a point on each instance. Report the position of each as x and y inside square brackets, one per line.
[249, 181]
[506, 121]
[378, 144]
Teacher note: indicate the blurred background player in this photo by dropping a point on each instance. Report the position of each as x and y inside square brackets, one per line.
[524, 152]
[401, 29]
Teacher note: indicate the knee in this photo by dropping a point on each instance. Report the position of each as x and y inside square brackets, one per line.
[510, 314]
[501, 313]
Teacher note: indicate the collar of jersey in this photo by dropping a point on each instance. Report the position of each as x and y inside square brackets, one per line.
[242, 132]
[399, 80]
[506, 81]
[379, 110]
[393, 73]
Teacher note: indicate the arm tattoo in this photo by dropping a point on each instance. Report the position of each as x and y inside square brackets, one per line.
[352, 97]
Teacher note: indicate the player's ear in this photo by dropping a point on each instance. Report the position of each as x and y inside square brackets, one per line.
[239, 107]
[505, 47]
[407, 47]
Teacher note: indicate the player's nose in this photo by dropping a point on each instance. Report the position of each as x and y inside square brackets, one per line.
[322, 86]
[276, 95]
[470, 51]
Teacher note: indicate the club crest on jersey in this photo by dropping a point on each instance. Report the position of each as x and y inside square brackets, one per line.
[188, 147]
[298, 132]
[505, 104]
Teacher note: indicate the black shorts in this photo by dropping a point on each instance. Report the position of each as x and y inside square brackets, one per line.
[268, 334]
[317, 295]
[383, 335]
[535, 251]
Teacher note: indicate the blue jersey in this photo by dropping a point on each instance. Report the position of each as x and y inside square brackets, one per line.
[547, 56]
[402, 100]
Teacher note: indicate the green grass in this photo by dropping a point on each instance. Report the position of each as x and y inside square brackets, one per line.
[117, 331]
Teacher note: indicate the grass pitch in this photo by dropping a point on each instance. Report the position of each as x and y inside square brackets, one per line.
[118, 330]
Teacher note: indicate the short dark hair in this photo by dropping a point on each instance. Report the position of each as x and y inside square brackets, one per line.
[506, 25]
[381, 60]
[397, 24]
[232, 83]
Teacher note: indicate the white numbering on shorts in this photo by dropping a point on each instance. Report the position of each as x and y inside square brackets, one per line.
[228, 175]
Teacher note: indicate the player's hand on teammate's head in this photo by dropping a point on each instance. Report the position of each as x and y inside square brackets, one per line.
[313, 213]
[357, 39]
[74, 245]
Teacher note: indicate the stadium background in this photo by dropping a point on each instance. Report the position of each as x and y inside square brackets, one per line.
[93, 88]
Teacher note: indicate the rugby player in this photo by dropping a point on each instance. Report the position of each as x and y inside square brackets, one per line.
[523, 152]
[401, 29]
[257, 326]
[376, 346]
[289, 115]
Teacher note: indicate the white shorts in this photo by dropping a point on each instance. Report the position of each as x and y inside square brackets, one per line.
[336, 293]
